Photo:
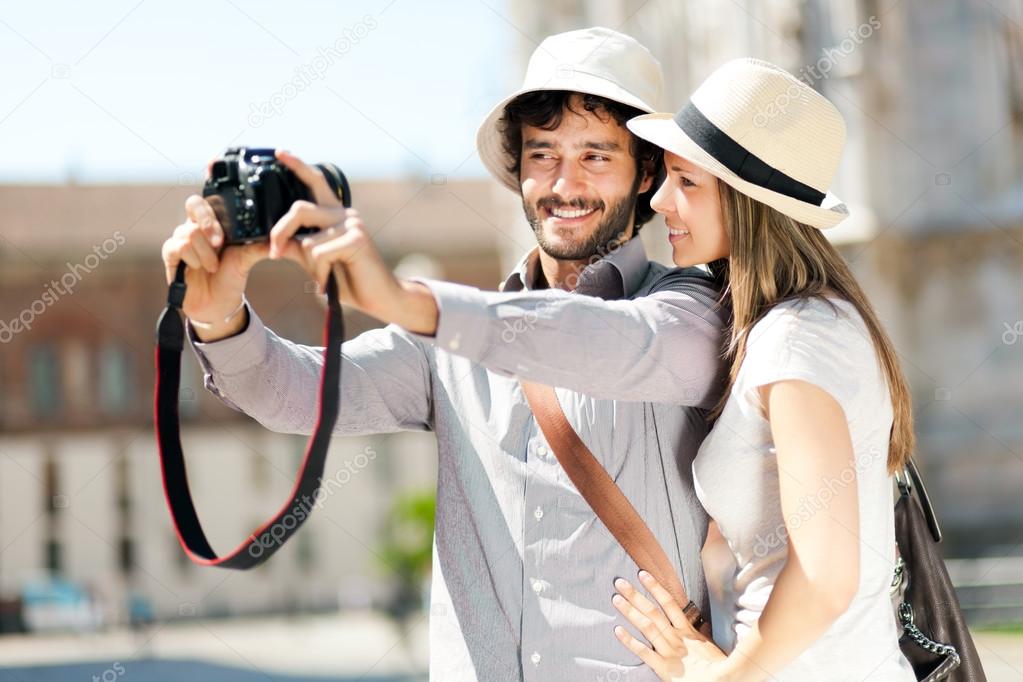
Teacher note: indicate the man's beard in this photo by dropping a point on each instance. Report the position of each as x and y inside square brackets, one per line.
[612, 226]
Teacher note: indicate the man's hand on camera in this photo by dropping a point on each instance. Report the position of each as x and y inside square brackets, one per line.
[344, 246]
[215, 281]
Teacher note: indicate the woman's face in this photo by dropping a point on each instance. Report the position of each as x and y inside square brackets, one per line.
[691, 207]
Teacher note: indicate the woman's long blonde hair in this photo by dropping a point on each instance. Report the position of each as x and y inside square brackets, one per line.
[772, 259]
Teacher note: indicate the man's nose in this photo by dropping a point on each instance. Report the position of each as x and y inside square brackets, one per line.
[570, 181]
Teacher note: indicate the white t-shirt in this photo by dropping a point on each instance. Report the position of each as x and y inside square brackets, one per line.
[736, 478]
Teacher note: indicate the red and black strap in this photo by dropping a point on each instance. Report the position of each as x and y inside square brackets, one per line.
[269, 537]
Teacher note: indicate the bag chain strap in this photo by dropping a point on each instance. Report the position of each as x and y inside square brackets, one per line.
[910, 628]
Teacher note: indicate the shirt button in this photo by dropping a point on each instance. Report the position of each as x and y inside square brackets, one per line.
[455, 342]
[535, 658]
[542, 449]
[537, 586]
[538, 513]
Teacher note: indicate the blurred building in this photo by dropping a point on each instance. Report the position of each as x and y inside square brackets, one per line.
[81, 498]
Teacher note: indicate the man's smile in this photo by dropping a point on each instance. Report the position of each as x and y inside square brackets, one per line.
[568, 217]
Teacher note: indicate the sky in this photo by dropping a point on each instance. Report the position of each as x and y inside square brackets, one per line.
[148, 91]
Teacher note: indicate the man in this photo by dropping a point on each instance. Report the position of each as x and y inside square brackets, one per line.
[523, 570]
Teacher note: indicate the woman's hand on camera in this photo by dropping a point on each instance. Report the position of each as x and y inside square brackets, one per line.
[344, 246]
[215, 277]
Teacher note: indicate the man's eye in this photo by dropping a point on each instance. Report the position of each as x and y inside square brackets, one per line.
[598, 157]
[541, 156]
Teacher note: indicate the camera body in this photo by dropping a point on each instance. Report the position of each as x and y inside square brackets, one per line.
[249, 190]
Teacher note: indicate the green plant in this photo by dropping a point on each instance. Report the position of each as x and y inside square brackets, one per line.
[406, 550]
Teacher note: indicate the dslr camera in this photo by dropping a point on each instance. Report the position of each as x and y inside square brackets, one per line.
[249, 190]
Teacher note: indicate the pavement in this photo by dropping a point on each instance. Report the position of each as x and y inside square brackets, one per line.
[341, 647]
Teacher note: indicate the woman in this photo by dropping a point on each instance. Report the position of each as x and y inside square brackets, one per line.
[817, 415]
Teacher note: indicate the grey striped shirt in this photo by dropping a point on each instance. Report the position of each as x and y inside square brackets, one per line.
[523, 569]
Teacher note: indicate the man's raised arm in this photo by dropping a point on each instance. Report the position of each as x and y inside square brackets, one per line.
[385, 380]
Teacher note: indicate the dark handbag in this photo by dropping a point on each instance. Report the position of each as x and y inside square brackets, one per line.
[934, 636]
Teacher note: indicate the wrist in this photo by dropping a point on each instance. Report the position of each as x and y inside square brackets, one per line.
[221, 326]
[736, 668]
[720, 672]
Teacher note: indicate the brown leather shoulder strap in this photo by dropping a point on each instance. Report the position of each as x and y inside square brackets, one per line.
[605, 497]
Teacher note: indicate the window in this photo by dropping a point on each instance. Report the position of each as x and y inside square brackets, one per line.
[45, 381]
[122, 486]
[123, 502]
[115, 392]
[54, 556]
[54, 502]
[76, 378]
[126, 555]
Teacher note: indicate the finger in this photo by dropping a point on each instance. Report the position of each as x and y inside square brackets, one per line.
[172, 249]
[310, 176]
[353, 221]
[339, 249]
[183, 230]
[323, 270]
[645, 606]
[292, 251]
[171, 254]
[204, 250]
[301, 251]
[343, 283]
[301, 214]
[197, 209]
[304, 249]
[671, 607]
[645, 653]
[201, 213]
[324, 235]
[214, 234]
[209, 166]
[324, 253]
[653, 634]
[189, 256]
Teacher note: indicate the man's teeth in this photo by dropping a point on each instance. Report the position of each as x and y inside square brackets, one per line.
[561, 213]
[677, 233]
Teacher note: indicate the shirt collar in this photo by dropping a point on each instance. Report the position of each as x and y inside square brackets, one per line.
[617, 275]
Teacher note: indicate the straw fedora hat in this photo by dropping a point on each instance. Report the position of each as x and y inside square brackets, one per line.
[594, 61]
[764, 132]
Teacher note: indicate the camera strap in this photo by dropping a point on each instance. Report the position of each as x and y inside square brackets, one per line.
[605, 498]
[268, 538]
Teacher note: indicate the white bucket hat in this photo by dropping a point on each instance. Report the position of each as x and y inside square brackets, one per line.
[594, 61]
[764, 132]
